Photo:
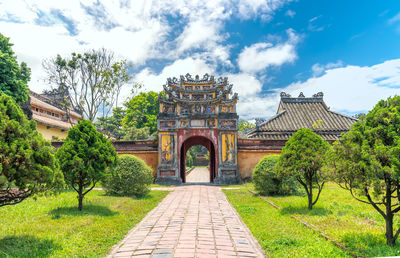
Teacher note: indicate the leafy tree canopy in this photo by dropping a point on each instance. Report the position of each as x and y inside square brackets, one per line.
[245, 125]
[13, 77]
[142, 111]
[112, 125]
[84, 157]
[366, 161]
[132, 133]
[27, 162]
[90, 81]
[302, 158]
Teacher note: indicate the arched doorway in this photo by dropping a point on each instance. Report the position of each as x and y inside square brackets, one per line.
[192, 141]
[197, 111]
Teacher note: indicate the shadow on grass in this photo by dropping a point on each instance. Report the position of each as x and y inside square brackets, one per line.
[88, 209]
[147, 196]
[316, 211]
[26, 246]
[367, 244]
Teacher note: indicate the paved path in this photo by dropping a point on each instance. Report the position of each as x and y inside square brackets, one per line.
[198, 175]
[192, 221]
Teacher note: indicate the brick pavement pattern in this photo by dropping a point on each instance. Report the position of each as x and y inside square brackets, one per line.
[192, 221]
[198, 175]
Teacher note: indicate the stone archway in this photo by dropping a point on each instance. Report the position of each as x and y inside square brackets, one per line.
[197, 111]
[198, 140]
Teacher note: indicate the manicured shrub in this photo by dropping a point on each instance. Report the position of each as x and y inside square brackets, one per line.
[267, 180]
[131, 177]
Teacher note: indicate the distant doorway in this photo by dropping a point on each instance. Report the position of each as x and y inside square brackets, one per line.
[197, 160]
[197, 164]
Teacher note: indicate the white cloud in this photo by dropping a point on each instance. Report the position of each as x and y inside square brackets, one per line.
[252, 104]
[258, 106]
[246, 85]
[394, 19]
[353, 89]
[140, 30]
[260, 56]
[349, 89]
[314, 24]
[153, 81]
[319, 69]
[199, 33]
[249, 8]
[32, 49]
[290, 13]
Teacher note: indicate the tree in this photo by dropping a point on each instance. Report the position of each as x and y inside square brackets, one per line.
[245, 125]
[27, 162]
[112, 125]
[84, 157]
[366, 161]
[133, 133]
[13, 77]
[302, 158]
[142, 111]
[357, 116]
[189, 159]
[90, 81]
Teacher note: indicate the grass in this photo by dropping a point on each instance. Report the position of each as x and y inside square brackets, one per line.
[161, 186]
[52, 226]
[357, 226]
[278, 234]
[243, 185]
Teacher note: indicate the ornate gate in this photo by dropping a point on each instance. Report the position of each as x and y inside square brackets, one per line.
[197, 111]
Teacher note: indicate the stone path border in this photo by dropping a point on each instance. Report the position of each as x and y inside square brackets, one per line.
[192, 221]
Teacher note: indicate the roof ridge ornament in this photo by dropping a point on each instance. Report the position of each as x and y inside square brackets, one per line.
[285, 95]
[188, 78]
[319, 95]
[301, 95]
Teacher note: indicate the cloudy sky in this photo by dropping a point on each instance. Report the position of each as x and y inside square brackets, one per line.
[350, 50]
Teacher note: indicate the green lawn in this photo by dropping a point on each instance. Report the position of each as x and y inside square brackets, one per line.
[53, 227]
[160, 186]
[356, 225]
[278, 234]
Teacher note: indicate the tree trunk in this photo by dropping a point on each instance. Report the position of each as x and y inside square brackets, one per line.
[389, 215]
[389, 230]
[80, 196]
[310, 202]
[80, 200]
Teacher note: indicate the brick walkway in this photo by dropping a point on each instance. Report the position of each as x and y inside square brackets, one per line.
[198, 175]
[192, 221]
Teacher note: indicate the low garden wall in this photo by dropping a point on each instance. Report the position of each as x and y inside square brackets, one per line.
[251, 151]
[145, 150]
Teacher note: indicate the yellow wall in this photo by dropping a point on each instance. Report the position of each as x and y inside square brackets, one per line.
[50, 132]
[149, 157]
[248, 159]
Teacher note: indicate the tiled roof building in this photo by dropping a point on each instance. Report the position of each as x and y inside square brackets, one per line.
[301, 112]
[51, 119]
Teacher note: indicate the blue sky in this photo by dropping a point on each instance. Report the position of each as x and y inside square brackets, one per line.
[347, 49]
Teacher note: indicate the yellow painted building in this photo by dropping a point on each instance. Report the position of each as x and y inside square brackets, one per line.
[51, 120]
